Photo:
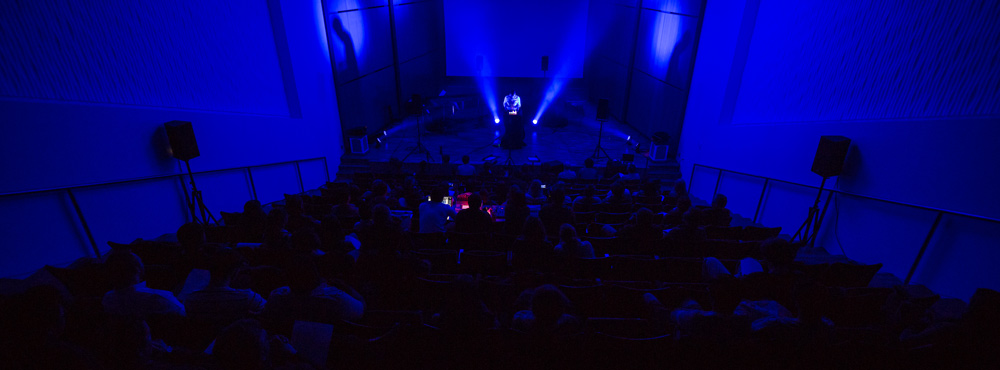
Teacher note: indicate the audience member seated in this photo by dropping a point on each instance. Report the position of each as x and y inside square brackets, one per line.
[331, 235]
[588, 172]
[631, 173]
[378, 195]
[532, 250]
[643, 229]
[275, 236]
[130, 296]
[650, 193]
[130, 346]
[516, 211]
[473, 219]
[570, 245]
[587, 201]
[772, 278]
[464, 311]
[31, 330]
[466, 169]
[245, 345]
[676, 215]
[218, 304]
[252, 222]
[689, 231]
[409, 194]
[342, 205]
[719, 325]
[191, 237]
[297, 217]
[548, 315]
[535, 195]
[680, 189]
[619, 195]
[382, 235]
[717, 215]
[308, 298]
[567, 174]
[434, 214]
[555, 213]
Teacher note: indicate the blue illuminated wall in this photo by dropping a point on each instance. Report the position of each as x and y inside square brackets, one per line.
[640, 57]
[916, 87]
[372, 73]
[513, 35]
[86, 85]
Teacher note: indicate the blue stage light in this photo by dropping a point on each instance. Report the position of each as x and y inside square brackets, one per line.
[534, 122]
[496, 120]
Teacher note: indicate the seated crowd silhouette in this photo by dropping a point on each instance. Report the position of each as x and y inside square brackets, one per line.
[576, 273]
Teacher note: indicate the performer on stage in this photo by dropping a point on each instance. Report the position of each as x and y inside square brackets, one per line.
[512, 102]
[513, 133]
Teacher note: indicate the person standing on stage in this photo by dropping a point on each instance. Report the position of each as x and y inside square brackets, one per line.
[512, 102]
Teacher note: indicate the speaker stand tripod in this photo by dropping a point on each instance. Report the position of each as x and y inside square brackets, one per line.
[196, 205]
[509, 162]
[599, 151]
[419, 148]
[804, 234]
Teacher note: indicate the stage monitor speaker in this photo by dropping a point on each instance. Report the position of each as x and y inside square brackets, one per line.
[830, 155]
[545, 63]
[602, 109]
[183, 146]
[554, 167]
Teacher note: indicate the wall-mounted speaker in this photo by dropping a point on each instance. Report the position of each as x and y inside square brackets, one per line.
[182, 143]
[830, 155]
[602, 109]
[545, 63]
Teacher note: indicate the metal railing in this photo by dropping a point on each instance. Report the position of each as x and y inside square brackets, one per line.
[767, 181]
[180, 176]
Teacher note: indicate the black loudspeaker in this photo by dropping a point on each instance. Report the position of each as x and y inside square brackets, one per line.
[830, 155]
[602, 109]
[182, 143]
[545, 63]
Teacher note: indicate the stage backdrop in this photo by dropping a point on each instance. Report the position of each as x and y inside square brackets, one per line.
[512, 36]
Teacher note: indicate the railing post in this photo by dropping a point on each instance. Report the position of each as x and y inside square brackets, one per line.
[718, 180]
[83, 222]
[760, 200]
[253, 187]
[923, 248]
[326, 165]
[690, 182]
[298, 171]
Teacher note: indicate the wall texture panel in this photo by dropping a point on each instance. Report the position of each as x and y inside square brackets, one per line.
[187, 54]
[871, 60]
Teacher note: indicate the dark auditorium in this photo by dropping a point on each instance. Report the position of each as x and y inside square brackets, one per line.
[487, 184]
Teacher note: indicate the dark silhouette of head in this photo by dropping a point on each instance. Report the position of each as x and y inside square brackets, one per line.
[691, 218]
[534, 230]
[567, 234]
[557, 197]
[380, 188]
[439, 192]
[224, 263]
[644, 218]
[381, 215]
[719, 202]
[778, 253]
[303, 277]
[680, 189]
[515, 197]
[293, 205]
[549, 304]
[277, 219]
[618, 189]
[242, 345]
[475, 201]
[341, 196]
[305, 241]
[465, 159]
[589, 163]
[124, 269]
[191, 235]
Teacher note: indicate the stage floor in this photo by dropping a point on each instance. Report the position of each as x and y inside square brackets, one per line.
[478, 139]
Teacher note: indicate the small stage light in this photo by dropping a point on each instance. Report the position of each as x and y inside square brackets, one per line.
[534, 122]
[629, 138]
[496, 120]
